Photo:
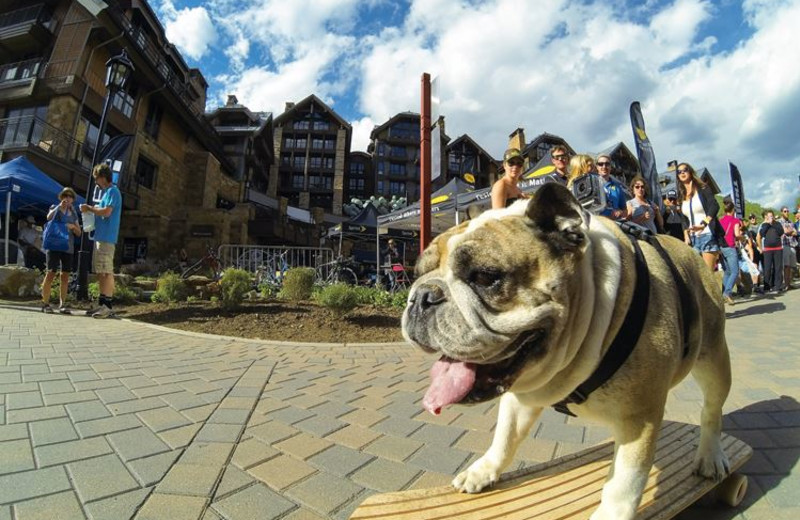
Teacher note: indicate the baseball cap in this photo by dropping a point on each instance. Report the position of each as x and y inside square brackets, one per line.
[512, 153]
[672, 194]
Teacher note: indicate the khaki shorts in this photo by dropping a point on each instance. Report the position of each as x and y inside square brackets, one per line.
[103, 258]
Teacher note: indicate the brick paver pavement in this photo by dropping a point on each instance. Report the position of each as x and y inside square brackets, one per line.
[110, 419]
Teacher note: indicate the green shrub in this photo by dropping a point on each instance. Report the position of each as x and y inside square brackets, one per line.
[170, 288]
[214, 299]
[298, 284]
[55, 287]
[400, 298]
[373, 296]
[234, 285]
[94, 291]
[124, 294]
[339, 297]
[192, 299]
[268, 290]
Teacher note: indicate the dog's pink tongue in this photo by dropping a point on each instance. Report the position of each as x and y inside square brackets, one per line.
[451, 381]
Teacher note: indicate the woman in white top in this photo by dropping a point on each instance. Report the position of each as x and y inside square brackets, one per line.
[700, 206]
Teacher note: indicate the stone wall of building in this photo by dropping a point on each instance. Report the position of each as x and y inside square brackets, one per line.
[339, 171]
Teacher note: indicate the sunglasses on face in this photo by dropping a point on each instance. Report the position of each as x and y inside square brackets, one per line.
[638, 187]
[560, 157]
[515, 163]
[684, 170]
[604, 164]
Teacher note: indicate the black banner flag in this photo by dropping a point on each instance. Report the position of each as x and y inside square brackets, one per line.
[738, 190]
[644, 150]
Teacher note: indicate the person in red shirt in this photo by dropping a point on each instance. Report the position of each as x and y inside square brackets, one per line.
[730, 253]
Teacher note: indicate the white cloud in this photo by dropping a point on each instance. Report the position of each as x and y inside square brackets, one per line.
[190, 29]
[566, 67]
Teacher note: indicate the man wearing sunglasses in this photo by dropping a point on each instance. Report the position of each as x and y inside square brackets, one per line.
[559, 156]
[616, 197]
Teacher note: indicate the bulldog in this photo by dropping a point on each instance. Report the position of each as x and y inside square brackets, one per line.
[524, 304]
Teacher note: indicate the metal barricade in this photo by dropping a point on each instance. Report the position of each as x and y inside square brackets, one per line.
[254, 258]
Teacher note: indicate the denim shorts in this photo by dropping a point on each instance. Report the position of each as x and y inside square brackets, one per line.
[705, 243]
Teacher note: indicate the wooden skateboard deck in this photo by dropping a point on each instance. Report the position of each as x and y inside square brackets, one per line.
[568, 488]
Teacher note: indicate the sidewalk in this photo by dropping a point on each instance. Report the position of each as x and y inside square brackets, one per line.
[110, 419]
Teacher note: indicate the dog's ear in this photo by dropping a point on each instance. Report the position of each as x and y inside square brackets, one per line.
[556, 215]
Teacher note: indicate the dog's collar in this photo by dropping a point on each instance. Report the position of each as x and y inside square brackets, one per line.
[626, 338]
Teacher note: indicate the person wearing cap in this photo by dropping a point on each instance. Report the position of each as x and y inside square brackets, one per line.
[675, 222]
[61, 261]
[559, 156]
[506, 190]
[616, 195]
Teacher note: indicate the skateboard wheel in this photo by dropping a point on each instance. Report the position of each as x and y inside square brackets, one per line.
[731, 491]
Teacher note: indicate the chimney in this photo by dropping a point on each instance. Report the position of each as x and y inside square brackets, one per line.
[232, 101]
[440, 124]
[517, 139]
[289, 106]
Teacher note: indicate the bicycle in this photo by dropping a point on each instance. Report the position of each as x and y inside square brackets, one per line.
[335, 272]
[273, 271]
[209, 266]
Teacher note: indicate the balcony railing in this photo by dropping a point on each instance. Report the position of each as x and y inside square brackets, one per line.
[32, 14]
[16, 132]
[20, 70]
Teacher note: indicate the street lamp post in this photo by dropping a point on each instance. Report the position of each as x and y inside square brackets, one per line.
[118, 69]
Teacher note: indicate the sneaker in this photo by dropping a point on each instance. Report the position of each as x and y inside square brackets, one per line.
[103, 312]
[728, 300]
[91, 312]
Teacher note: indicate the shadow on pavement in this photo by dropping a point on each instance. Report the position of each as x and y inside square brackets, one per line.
[772, 429]
[763, 308]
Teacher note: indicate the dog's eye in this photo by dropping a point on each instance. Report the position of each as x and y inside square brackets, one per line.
[485, 277]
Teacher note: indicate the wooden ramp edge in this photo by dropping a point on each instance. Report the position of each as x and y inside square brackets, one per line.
[567, 488]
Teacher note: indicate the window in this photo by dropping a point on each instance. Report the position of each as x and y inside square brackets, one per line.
[397, 188]
[356, 168]
[398, 151]
[286, 159]
[356, 184]
[381, 149]
[320, 182]
[381, 168]
[299, 161]
[315, 162]
[288, 142]
[301, 125]
[380, 186]
[300, 142]
[327, 162]
[317, 143]
[404, 130]
[330, 144]
[397, 169]
[453, 161]
[153, 121]
[124, 100]
[321, 125]
[298, 182]
[146, 173]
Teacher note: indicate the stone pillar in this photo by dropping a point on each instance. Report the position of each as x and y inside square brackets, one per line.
[274, 176]
[338, 172]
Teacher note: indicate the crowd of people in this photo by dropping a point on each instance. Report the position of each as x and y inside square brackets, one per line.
[758, 256]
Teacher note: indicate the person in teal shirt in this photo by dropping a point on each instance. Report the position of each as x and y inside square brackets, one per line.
[616, 195]
[107, 214]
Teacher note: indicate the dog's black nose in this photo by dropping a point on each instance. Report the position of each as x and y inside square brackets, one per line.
[429, 295]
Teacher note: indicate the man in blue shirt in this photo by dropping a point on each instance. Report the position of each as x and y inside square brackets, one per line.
[106, 230]
[616, 196]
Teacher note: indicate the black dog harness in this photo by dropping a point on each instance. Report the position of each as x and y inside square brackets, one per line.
[632, 326]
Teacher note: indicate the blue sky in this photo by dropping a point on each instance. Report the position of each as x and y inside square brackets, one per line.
[716, 80]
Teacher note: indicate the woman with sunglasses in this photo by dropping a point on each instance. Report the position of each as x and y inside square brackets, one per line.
[505, 190]
[640, 210]
[698, 203]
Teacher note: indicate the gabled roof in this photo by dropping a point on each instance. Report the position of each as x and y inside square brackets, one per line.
[615, 149]
[467, 138]
[550, 138]
[311, 99]
[392, 120]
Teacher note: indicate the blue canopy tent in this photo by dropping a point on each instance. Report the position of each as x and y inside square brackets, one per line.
[24, 187]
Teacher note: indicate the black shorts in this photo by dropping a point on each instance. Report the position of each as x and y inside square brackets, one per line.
[59, 261]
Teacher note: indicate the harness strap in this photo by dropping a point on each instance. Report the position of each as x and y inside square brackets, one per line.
[626, 338]
[685, 301]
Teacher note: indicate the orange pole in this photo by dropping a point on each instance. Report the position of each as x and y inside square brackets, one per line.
[425, 164]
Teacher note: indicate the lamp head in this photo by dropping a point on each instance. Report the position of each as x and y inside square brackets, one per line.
[118, 70]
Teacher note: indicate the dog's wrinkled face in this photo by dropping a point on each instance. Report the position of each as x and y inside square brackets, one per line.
[492, 295]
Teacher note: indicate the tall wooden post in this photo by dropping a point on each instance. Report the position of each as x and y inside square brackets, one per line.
[425, 164]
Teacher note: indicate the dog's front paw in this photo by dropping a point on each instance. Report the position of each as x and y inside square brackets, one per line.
[480, 475]
[712, 465]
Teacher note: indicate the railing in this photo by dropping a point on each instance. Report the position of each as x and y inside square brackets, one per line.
[178, 86]
[20, 70]
[30, 130]
[252, 258]
[33, 13]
